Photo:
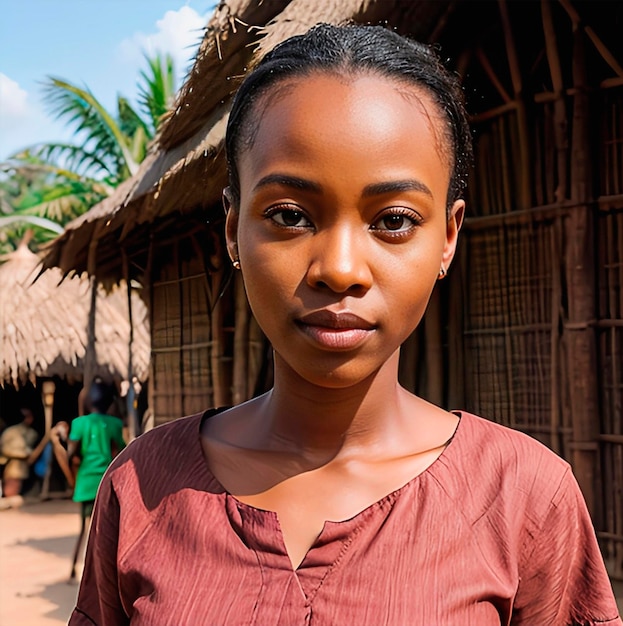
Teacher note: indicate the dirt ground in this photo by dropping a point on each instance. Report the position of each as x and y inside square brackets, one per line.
[36, 544]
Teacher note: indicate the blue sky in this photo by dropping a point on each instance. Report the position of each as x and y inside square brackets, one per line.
[97, 43]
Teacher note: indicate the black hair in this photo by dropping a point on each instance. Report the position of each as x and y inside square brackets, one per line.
[100, 396]
[348, 50]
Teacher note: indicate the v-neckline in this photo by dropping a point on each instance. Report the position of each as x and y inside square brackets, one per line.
[257, 523]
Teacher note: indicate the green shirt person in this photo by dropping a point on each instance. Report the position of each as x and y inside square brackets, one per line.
[98, 437]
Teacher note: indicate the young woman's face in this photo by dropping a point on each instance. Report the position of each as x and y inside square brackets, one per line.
[342, 226]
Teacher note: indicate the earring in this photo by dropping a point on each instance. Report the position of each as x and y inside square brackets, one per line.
[442, 273]
[236, 263]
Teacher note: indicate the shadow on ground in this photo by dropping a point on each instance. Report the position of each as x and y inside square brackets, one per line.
[60, 546]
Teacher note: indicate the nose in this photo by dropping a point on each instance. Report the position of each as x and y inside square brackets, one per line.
[340, 260]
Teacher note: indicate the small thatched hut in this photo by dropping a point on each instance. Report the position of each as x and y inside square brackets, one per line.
[71, 330]
[528, 330]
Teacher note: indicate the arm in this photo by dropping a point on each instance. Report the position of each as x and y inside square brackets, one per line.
[74, 440]
[73, 447]
[36, 453]
[563, 580]
[98, 600]
[58, 435]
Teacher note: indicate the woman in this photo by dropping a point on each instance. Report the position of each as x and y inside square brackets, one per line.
[338, 497]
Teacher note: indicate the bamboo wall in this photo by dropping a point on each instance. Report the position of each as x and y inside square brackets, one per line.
[536, 292]
[609, 326]
[207, 350]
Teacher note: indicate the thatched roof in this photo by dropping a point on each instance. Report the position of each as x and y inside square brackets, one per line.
[186, 168]
[44, 325]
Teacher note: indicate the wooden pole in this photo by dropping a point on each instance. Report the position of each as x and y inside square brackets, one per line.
[90, 357]
[433, 350]
[241, 341]
[220, 395]
[524, 194]
[579, 328]
[134, 428]
[148, 294]
[607, 56]
[560, 113]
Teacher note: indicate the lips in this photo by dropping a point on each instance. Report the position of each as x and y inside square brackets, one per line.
[337, 331]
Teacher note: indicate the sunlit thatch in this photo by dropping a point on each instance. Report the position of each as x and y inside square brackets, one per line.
[45, 325]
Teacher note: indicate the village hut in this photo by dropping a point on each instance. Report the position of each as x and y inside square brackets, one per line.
[527, 330]
[67, 330]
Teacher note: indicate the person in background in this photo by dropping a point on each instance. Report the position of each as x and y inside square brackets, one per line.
[96, 438]
[18, 447]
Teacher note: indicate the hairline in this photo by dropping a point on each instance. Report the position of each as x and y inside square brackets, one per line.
[411, 90]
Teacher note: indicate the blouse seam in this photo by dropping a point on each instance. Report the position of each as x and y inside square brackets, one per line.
[550, 509]
[345, 547]
[79, 610]
[474, 534]
[262, 589]
[537, 527]
[148, 526]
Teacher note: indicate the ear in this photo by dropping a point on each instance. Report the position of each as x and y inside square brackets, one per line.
[231, 224]
[455, 221]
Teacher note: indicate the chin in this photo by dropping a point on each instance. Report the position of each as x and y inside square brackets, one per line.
[343, 376]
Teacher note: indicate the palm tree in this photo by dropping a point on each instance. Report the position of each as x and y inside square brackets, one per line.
[59, 181]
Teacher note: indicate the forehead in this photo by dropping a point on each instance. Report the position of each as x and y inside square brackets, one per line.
[377, 116]
[373, 85]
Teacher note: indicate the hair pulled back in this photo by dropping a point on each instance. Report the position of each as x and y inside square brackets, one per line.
[350, 50]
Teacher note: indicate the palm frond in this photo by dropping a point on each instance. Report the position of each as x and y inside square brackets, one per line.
[41, 222]
[133, 126]
[61, 159]
[62, 202]
[157, 87]
[80, 108]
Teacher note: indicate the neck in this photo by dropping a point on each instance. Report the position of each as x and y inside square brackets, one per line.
[328, 420]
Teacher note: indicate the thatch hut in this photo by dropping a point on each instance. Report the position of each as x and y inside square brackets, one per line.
[528, 330]
[67, 330]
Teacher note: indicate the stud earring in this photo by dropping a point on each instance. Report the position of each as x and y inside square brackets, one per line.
[236, 264]
[442, 273]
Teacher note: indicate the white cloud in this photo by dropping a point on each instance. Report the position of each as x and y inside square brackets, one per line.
[177, 33]
[22, 121]
[14, 104]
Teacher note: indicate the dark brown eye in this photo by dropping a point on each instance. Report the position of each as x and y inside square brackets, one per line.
[397, 221]
[290, 218]
[394, 222]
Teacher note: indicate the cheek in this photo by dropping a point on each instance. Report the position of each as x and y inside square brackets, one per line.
[271, 275]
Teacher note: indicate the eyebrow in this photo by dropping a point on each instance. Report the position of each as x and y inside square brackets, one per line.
[392, 186]
[285, 180]
[374, 189]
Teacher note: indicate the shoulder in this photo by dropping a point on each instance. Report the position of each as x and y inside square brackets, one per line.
[164, 459]
[504, 469]
[501, 446]
[77, 424]
[165, 442]
[112, 420]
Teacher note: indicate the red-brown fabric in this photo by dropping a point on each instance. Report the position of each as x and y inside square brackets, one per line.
[494, 532]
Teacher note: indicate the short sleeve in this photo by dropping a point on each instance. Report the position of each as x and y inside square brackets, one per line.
[98, 600]
[563, 580]
[75, 432]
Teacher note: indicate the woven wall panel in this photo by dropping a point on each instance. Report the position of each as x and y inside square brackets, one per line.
[511, 276]
[610, 356]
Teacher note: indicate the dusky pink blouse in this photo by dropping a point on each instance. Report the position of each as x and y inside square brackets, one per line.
[494, 532]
